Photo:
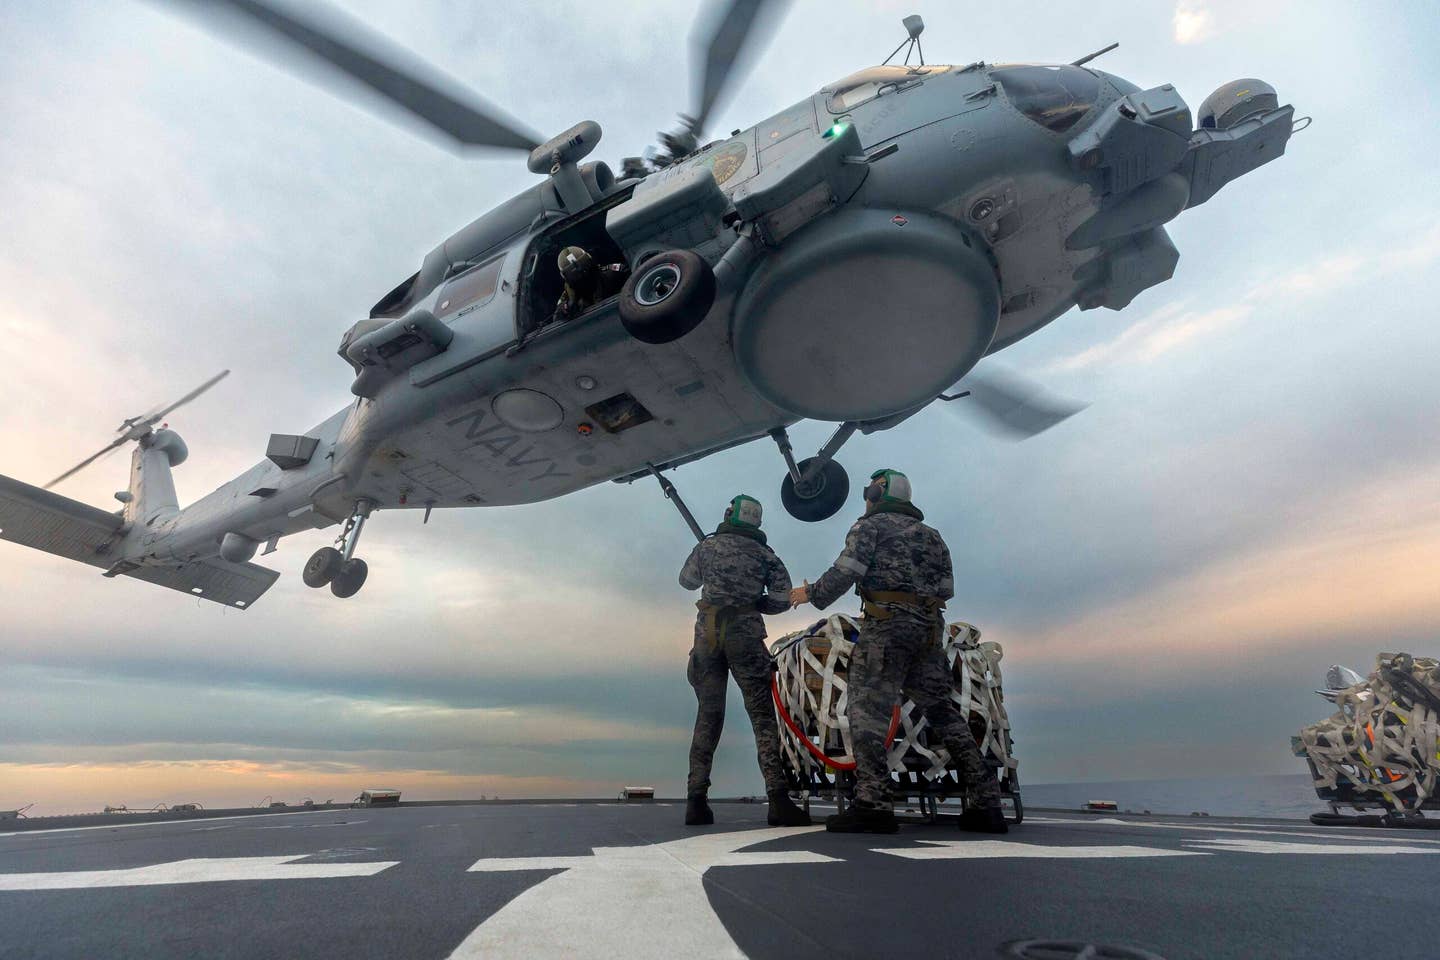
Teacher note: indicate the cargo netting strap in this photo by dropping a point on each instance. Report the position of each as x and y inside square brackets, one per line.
[811, 700]
[1384, 740]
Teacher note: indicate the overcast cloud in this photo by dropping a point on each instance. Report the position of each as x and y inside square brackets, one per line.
[1250, 496]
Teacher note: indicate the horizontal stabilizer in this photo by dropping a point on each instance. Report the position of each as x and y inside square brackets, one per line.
[233, 584]
[47, 521]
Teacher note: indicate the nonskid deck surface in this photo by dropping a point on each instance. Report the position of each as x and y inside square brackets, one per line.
[630, 880]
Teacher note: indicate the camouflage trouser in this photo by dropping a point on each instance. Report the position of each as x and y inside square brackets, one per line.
[742, 652]
[895, 656]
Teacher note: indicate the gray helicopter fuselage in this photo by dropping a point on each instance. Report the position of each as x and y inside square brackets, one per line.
[870, 245]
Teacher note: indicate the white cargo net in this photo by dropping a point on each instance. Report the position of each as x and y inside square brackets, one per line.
[1384, 742]
[811, 699]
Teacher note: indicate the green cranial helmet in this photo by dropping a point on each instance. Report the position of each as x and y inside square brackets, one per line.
[576, 266]
[744, 511]
[888, 486]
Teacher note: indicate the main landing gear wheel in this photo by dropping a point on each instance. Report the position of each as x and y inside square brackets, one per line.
[337, 565]
[322, 566]
[350, 578]
[821, 497]
[667, 296]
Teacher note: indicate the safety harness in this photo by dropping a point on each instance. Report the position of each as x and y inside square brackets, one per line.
[875, 605]
[716, 619]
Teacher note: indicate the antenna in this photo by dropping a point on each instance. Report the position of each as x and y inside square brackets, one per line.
[914, 26]
[1091, 56]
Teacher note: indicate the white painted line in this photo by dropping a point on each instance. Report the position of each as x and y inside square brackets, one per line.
[506, 864]
[637, 902]
[1227, 845]
[1010, 849]
[1371, 834]
[161, 823]
[193, 871]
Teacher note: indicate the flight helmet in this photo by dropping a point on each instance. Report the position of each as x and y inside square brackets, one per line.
[888, 486]
[744, 511]
[577, 267]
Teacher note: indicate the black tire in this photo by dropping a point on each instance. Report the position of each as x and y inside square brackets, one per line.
[667, 296]
[825, 497]
[1019, 811]
[322, 566]
[350, 579]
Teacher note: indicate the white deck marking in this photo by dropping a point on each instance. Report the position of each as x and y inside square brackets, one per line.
[193, 871]
[645, 901]
[1371, 834]
[1010, 849]
[1228, 845]
[162, 823]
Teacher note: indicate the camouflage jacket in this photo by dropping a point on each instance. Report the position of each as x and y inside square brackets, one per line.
[889, 551]
[733, 569]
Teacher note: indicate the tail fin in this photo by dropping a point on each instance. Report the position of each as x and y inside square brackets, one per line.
[67, 528]
[152, 489]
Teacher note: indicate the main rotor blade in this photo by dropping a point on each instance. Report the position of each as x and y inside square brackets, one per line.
[460, 115]
[1015, 406]
[723, 48]
[160, 415]
[87, 461]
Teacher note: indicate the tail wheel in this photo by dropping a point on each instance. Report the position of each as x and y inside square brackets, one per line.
[322, 567]
[667, 296]
[821, 498]
[350, 578]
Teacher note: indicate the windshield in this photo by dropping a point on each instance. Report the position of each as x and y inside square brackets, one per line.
[866, 85]
[1054, 97]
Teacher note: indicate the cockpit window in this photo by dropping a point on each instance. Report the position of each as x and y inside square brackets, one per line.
[472, 287]
[1054, 97]
[845, 95]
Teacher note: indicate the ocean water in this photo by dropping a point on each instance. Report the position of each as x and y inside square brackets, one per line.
[1289, 796]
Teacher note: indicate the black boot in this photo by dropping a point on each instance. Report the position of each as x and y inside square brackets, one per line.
[984, 820]
[861, 818]
[784, 812]
[697, 811]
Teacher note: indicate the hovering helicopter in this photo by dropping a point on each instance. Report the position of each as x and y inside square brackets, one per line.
[848, 259]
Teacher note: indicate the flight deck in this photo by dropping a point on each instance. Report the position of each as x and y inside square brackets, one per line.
[587, 879]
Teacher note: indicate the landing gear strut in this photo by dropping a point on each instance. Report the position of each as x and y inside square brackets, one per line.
[673, 496]
[815, 488]
[340, 568]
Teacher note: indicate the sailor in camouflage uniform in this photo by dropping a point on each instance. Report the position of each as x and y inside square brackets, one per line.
[740, 578]
[901, 569]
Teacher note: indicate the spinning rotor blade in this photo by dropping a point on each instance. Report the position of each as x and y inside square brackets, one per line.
[1015, 407]
[88, 460]
[160, 415]
[460, 115]
[722, 49]
[138, 427]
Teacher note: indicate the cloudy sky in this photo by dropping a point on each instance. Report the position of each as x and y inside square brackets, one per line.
[1253, 494]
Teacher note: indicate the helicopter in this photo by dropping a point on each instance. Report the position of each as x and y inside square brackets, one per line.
[849, 259]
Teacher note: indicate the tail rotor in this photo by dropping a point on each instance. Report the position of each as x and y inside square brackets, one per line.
[138, 427]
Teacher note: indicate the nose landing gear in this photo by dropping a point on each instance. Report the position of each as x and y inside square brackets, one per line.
[344, 572]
